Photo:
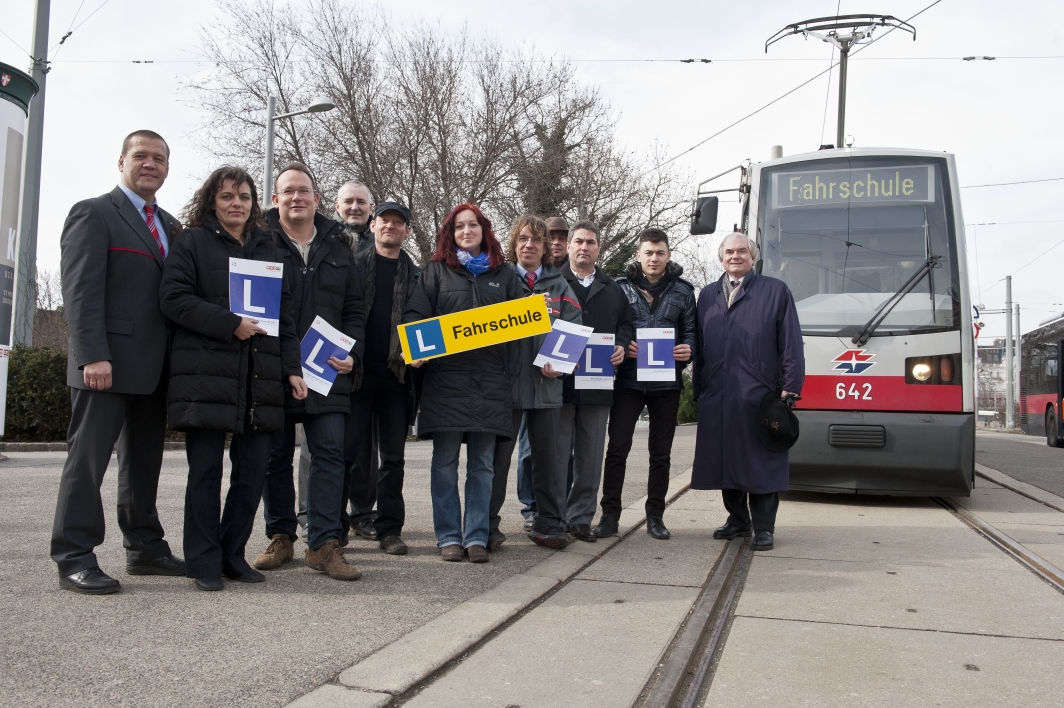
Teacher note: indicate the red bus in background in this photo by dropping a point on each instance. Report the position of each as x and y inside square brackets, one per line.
[1040, 380]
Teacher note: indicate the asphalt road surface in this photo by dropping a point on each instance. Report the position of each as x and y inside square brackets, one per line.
[160, 642]
[1023, 457]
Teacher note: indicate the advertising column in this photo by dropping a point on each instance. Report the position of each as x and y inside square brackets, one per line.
[16, 90]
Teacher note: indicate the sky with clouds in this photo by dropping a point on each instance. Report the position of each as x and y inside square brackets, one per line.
[1000, 118]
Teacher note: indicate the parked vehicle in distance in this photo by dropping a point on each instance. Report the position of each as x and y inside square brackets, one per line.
[1041, 354]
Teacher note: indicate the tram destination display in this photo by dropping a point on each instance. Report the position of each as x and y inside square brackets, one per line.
[854, 187]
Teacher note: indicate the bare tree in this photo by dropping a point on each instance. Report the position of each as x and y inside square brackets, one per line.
[49, 321]
[428, 116]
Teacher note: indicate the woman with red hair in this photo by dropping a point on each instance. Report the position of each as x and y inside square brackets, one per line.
[465, 397]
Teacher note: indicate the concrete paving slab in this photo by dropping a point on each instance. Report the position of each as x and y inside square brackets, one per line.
[1004, 506]
[810, 664]
[591, 644]
[333, 696]
[560, 566]
[591, 550]
[685, 559]
[1010, 602]
[895, 530]
[400, 665]
[703, 501]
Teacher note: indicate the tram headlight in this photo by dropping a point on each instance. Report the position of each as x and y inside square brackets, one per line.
[922, 371]
[942, 369]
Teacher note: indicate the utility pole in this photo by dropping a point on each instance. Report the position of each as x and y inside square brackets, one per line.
[1010, 418]
[26, 270]
[1019, 360]
[844, 31]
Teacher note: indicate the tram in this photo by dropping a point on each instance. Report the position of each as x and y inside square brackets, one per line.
[1041, 383]
[871, 244]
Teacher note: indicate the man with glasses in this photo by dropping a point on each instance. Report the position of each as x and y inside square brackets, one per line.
[323, 283]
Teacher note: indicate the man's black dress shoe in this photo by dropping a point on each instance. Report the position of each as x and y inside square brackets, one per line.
[607, 527]
[727, 532]
[583, 532]
[656, 528]
[495, 540]
[762, 541]
[91, 581]
[212, 583]
[244, 576]
[365, 529]
[163, 565]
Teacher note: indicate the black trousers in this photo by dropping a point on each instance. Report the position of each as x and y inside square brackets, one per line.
[761, 516]
[548, 474]
[628, 404]
[363, 470]
[99, 419]
[381, 400]
[212, 545]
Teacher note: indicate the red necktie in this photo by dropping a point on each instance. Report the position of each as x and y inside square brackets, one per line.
[530, 278]
[150, 211]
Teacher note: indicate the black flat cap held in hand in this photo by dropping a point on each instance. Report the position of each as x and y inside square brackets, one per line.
[392, 206]
[776, 423]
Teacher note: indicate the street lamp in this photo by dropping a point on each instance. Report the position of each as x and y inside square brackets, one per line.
[320, 105]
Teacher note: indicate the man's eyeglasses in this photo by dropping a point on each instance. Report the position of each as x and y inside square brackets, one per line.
[292, 192]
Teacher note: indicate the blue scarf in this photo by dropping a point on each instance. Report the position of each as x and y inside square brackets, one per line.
[476, 266]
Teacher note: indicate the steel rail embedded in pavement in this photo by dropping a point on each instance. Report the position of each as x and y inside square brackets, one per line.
[1032, 561]
[684, 674]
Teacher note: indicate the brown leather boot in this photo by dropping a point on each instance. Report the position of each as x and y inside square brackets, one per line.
[330, 559]
[279, 552]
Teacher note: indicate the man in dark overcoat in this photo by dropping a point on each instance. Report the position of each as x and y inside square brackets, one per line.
[750, 343]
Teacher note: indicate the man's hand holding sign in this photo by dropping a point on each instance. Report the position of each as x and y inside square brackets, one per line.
[320, 353]
[656, 359]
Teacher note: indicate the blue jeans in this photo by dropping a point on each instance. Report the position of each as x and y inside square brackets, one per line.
[447, 517]
[324, 435]
[524, 471]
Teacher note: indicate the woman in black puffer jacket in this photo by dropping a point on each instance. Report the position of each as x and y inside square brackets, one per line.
[465, 397]
[225, 374]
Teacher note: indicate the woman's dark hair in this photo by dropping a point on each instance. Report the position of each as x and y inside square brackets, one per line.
[538, 227]
[446, 246]
[201, 206]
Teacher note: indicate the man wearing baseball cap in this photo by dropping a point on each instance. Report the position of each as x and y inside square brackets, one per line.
[381, 385]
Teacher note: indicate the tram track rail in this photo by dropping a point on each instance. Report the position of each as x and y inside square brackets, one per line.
[688, 666]
[1042, 568]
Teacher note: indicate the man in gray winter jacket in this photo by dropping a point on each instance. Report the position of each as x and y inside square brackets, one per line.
[537, 392]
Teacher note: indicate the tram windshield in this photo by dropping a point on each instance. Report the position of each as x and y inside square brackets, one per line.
[846, 234]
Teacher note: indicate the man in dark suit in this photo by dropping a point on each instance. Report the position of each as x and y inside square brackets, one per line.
[113, 249]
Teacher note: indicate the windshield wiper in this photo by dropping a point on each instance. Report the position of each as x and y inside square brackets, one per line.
[881, 314]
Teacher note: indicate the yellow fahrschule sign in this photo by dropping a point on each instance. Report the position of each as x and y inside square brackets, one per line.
[473, 329]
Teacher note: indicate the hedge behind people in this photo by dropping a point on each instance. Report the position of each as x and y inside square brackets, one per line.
[38, 400]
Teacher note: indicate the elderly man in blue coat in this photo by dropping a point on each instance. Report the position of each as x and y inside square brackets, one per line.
[750, 343]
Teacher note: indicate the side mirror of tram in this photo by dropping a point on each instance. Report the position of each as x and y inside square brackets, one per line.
[704, 217]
